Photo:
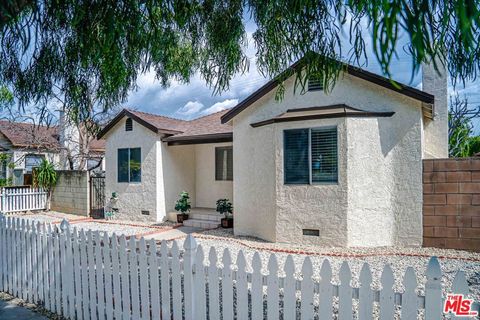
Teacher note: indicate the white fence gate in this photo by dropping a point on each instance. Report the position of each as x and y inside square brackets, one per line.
[17, 199]
[89, 276]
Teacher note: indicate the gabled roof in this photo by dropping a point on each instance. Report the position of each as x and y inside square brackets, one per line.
[206, 129]
[325, 112]
[29, 135]
[349, 69]
[156, 123]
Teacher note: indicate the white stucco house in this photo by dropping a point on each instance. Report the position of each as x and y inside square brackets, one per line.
[336, 169]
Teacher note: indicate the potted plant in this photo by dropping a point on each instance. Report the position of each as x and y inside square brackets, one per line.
[183, 206]
[224, 206]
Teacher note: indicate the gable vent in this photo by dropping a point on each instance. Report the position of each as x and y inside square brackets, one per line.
[128, 124]
[315, 84]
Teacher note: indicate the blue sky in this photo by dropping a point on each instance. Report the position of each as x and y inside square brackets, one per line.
[188, 101]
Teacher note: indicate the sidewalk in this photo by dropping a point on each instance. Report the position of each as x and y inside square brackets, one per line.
[11, 311]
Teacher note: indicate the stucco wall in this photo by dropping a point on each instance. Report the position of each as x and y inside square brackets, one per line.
[71, 193]
[436, 131]
[321, 206]
[383, 183]
[177, 175]
[207, 189]
[254, 179]
[133, 197]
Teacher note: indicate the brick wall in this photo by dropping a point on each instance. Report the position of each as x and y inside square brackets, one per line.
[451, 203]
[71, 194]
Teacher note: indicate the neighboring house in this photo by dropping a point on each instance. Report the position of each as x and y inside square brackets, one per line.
[336, 169]
[27, 144]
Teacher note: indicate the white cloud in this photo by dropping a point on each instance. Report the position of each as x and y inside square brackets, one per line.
[219, 106]
[190, 108]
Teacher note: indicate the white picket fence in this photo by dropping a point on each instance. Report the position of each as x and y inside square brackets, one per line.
[22, 199]
[90, 276]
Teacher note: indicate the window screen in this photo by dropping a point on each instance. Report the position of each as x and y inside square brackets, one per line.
[128, 124]
[310, 156]
[130, 165]
[224, 163]
[296, 156]
[324, 155]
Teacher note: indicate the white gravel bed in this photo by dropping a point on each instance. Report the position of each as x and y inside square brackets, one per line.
[47, 217]
[110, 228]
[380, 257]
[145, 223]
[37, 217]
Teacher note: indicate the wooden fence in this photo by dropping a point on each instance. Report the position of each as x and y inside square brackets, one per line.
[17, 199]
[92, 276]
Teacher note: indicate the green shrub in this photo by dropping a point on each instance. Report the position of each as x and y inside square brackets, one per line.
[183, 203]
[225, 207]
[45, 176]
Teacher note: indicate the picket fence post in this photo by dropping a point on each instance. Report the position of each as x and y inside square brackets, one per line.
[190, 246]
[433, 291]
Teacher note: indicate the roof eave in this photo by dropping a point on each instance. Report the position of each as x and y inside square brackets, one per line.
[416, 94]
[199, 139]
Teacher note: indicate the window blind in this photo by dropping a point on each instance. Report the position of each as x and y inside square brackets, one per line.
[324, 155]
[224, 163]
[310, 156]
[296, 163]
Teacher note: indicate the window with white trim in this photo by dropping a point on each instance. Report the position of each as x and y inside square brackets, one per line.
[310, 156]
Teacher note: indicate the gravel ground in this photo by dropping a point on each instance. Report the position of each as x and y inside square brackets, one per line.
[110, 228]
[377, 258]
[48, 217]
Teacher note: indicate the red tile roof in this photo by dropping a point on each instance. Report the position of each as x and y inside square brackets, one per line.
[28, 135]
[206, 127]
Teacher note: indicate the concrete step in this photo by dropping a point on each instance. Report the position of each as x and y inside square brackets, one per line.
[205, 216]
[199, 223]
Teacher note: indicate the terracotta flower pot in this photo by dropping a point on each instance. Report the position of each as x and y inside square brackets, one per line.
[181, 217]
[227, 223]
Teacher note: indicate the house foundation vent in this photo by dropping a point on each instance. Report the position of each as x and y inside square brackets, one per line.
[145, 212]
[311, 232]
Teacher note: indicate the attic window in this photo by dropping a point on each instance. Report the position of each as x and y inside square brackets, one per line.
[128, 124]
[315, 84]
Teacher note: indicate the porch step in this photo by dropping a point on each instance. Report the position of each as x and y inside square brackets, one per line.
[201, 223]
[207, 214]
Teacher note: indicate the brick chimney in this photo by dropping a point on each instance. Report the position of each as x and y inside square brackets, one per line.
[436, 131]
